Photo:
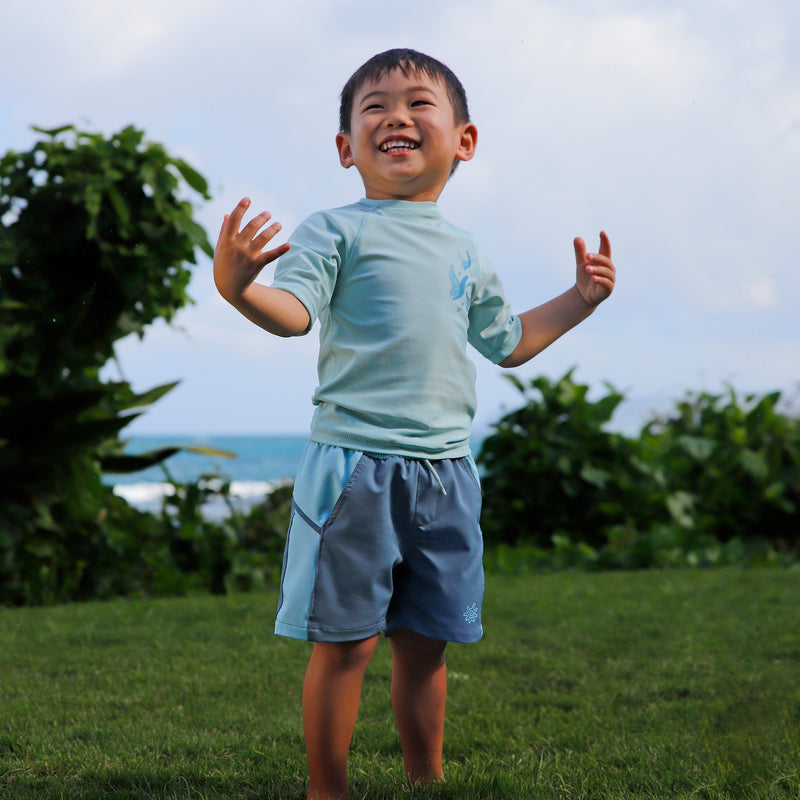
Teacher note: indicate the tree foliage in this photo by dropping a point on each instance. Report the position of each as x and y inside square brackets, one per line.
[718, 472]
[728, 467]
[182, 549]
[96, 236]
[551, 468]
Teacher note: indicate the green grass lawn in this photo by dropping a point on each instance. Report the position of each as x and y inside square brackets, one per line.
[681, 684]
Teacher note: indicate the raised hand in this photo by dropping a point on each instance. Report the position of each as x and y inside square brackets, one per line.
[595, 271]
[238, 258]
[239, 255]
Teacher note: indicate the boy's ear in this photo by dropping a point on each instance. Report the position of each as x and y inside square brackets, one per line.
[467, 143]
[345, 151]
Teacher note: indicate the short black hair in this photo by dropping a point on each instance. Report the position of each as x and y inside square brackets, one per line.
[406, 61]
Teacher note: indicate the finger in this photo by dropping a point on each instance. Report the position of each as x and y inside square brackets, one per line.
[596, 268]
[256, 224]
[238, 212]
[277, 252]
[607, 283]
[600, 265]
[604, 280]
[604, 276]
[271, 255]
[222, 228]
[605, 245]
[580, 250]
[265, 236]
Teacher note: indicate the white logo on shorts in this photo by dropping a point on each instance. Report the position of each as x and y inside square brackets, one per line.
[471, 614]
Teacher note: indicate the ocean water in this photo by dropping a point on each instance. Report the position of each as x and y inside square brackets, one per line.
[257, 464]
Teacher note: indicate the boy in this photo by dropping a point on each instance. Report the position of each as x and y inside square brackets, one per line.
[384, 535]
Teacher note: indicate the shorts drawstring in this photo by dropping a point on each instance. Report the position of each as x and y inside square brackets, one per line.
[435, 474]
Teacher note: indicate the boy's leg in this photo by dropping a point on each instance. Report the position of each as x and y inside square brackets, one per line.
[419, 692]
[331, 695]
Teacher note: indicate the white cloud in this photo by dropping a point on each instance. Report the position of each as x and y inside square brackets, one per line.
[675, 127]
[762, 293]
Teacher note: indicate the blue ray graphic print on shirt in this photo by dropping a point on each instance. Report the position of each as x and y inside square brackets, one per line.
[459, 281]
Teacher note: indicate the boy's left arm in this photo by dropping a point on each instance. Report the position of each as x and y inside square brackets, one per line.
[542, 325]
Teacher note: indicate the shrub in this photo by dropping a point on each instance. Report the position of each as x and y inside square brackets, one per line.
[94, 240]
[550, 468]
[185, 550]
[257, 554]
[189, 551]
[717, 481]
[728, 467]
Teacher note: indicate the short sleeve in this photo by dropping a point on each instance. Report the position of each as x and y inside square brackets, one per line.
[310, 269]
[494, 331]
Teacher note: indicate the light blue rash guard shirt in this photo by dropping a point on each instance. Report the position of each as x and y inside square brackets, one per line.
[398, 292]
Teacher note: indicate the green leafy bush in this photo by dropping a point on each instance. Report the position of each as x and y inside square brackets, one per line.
[95, 235]
[550, 468]
[728, 468]
[715, 482]
[182, 549]
[257, 553]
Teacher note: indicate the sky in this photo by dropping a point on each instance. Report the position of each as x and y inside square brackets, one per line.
[673, 126]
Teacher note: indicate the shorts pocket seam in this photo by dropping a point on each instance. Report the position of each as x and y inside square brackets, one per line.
[302, 514]
[352, 481]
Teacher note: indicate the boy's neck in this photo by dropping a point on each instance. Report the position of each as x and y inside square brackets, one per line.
[426, 197]
[414, 201]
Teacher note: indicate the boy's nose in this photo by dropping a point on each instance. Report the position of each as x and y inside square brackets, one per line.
[397, 118]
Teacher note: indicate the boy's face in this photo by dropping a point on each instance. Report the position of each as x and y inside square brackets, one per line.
[403, 138]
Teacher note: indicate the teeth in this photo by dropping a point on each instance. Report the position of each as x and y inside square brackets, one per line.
[393, 147]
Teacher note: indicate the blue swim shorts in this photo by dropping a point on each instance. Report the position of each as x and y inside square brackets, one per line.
[381, 543]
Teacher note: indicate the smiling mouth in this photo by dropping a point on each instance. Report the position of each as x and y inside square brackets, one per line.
[398, 146]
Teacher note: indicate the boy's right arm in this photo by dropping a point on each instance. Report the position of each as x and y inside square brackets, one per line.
[238, 258]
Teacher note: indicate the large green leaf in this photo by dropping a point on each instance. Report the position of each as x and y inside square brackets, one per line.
[192, 177]
[127, 463]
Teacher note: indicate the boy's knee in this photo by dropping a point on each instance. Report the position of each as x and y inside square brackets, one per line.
[346, 655]
[421, 649]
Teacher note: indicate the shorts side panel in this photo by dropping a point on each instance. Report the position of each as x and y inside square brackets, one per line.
[322, 478]
[297, 579]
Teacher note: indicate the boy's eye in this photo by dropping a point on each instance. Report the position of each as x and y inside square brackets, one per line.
[420, 103]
